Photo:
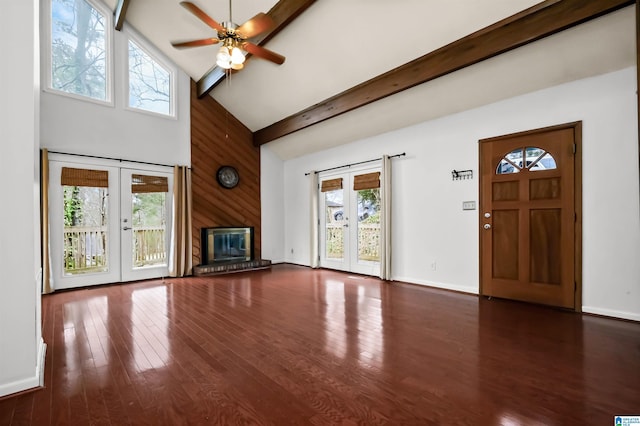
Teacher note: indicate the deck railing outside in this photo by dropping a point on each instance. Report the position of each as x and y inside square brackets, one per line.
[149, 246]
[368, 241]
[85, 248]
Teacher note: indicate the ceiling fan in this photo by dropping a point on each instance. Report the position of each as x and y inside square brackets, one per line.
[234, 38]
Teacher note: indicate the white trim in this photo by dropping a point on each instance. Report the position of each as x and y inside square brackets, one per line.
[611, 313]
[31, 382]
[19, 386]
[46, 52]
[42, 352]
[433, 284]
[148, 48]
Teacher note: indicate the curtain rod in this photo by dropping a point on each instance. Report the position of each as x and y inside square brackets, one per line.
[355, 164]
[111, 158]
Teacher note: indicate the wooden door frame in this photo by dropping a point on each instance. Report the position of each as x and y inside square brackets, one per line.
[576, 126]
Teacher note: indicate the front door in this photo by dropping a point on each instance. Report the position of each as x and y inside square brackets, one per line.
[528, 216]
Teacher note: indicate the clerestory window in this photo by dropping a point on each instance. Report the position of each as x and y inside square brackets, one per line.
[79, 50]
[151, 82]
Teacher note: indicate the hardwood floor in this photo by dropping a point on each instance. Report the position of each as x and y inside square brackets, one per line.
[296, 346]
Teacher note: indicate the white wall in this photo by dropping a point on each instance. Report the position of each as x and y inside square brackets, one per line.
[83, 127]
[429, 224]
[271, 203]
[21, 343]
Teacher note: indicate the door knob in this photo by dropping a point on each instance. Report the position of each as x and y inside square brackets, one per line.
[487, 215]
[487, 226]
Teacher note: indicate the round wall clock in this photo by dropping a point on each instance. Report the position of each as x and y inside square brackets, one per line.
[227, 177]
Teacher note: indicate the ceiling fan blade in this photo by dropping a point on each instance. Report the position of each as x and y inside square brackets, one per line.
[202, 16]
[256, 25]
[195, 43]
[263, 53]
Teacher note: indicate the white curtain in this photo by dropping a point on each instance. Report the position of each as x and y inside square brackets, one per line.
[314, 260]
[180, 258]
[385, 219]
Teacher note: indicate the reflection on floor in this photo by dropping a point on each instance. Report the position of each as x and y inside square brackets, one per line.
[293, 345]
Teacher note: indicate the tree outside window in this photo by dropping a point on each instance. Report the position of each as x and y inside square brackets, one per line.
[149, 82]
[78, 49]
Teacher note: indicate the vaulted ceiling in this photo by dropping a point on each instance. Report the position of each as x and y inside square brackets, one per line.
[334, 45]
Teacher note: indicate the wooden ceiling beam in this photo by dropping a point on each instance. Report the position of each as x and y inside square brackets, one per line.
[283, 13]
[120, 13]
[535, 23]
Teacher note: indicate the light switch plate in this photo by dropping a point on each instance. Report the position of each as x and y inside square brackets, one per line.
[468, 205]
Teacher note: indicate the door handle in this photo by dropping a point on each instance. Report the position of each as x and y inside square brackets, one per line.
[126, 228]
[487, 226]
[346, 225]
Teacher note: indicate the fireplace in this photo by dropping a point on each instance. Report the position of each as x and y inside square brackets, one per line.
[226, 245]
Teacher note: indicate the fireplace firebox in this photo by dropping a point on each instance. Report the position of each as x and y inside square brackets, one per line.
[226, 245]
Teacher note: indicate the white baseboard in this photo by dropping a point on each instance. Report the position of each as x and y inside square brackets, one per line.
[295, 262]
[611, 313]
[35, 381]
[446, 286]
[275, 262]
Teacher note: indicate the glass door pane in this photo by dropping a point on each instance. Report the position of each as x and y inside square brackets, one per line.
[149, 222]
[335, 219]
[145, 221]
[86, 216]
[334, 226]
[368, 201]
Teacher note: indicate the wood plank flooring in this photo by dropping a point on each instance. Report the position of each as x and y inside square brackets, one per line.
[293, 345]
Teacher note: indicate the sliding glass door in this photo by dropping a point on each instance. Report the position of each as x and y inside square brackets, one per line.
[108, 224]
[350, 221]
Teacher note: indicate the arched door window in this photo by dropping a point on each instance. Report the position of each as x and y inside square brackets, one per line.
[526, 158]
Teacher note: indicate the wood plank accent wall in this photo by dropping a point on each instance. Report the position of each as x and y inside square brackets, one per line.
[210, 149]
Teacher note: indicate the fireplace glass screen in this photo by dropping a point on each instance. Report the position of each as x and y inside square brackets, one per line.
[227, 245]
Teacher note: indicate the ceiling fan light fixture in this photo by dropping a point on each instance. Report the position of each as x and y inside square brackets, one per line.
[235, 44]
[237, 57]
[223, 65]
[223, 54]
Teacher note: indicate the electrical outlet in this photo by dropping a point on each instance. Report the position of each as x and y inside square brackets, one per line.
[291, 251]
[434, 265]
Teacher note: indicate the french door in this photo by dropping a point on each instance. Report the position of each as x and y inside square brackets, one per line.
[350, 221]
[108, 224]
